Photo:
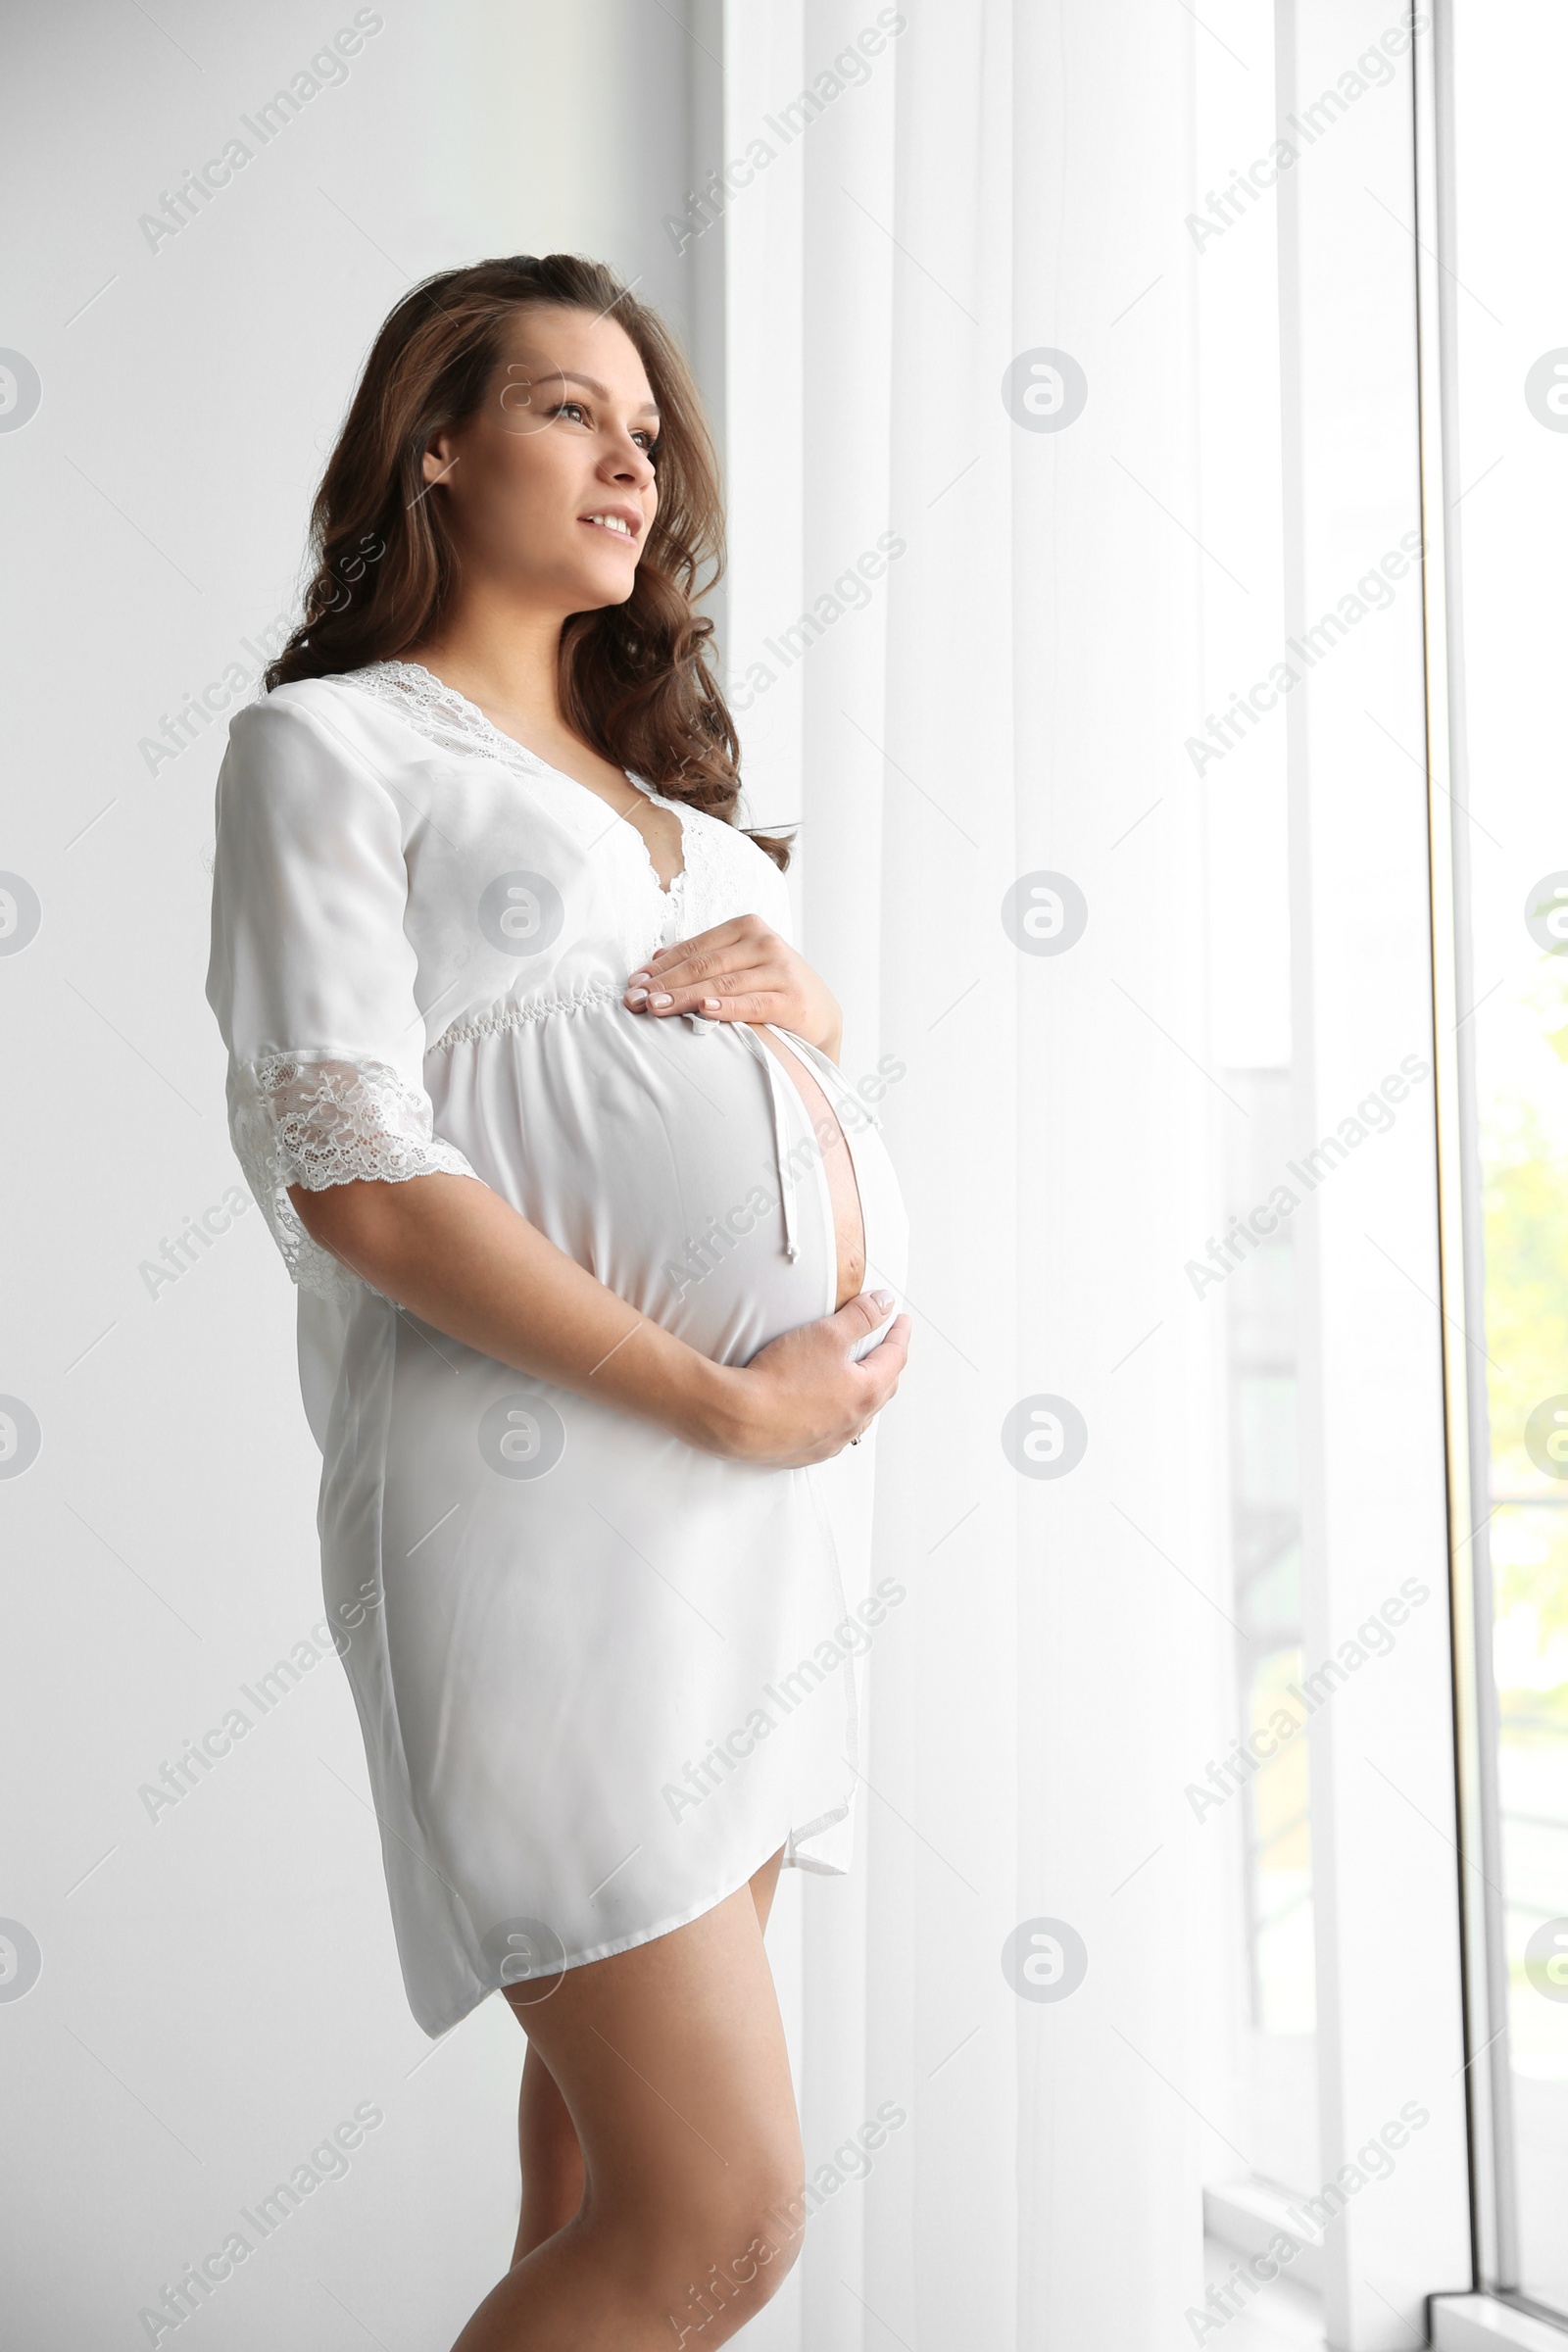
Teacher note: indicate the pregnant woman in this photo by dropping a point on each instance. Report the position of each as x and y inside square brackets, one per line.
[599, 1260]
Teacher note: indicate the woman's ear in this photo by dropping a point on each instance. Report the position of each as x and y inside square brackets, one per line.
[440, 455]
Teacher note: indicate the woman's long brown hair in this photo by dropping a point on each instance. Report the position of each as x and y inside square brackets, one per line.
[634, 678]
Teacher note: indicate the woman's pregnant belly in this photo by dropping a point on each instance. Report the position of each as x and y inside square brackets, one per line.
[838, 1167]
[657, 1155]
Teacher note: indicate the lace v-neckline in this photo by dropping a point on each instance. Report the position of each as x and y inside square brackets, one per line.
[416, 689]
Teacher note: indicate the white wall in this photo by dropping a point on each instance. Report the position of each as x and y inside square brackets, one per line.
[220, 1986]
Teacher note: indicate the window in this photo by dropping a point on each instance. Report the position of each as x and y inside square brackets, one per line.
[1504, 381]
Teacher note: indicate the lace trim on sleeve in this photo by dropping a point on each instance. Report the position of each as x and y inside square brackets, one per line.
[315, 1120]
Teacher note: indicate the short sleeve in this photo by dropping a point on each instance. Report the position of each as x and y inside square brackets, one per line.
[313, 977]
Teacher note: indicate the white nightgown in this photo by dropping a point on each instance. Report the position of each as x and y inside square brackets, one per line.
[600, 1676]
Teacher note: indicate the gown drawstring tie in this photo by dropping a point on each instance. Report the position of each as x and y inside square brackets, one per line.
[777, 1100]
[781, 1117]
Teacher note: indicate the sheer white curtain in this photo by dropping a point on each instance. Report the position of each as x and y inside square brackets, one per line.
[993, 189]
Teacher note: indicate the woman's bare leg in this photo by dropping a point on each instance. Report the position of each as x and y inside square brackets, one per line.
[551, 2161]
[546, 2139]
[765, 1882]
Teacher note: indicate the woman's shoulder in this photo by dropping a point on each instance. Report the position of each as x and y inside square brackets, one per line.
[333, 717]
[308, 746]
[737, 871]
[321, 698]
[722, 828]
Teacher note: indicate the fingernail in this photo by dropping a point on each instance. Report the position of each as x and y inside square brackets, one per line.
[661, 1000]
[711, 1004]
[635, 996]
[882, 1299]
[642, 975]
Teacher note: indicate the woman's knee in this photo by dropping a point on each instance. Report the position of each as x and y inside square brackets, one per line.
[762, 2243]
[738, 2241]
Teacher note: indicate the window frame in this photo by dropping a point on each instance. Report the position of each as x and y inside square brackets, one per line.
[1495, 2313]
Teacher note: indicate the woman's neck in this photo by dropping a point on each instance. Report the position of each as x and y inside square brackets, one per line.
[505, 662]
[504, 658]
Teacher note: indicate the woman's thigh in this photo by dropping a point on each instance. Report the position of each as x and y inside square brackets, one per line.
[764, 1885]
[671, 2061]
[543, 2107]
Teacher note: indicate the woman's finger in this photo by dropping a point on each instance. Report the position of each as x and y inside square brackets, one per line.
[721, 935]
[754, 1005]
[730, 995]
[722, 980]
[769, 1007]
[697, 971]
[885, 1363]
[698, 962]
[738, 930]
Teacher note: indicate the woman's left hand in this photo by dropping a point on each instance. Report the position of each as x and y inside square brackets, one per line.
[739, 971]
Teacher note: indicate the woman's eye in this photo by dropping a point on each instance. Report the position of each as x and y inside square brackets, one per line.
[577, 410]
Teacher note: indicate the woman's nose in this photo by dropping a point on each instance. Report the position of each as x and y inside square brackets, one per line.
[635, 468]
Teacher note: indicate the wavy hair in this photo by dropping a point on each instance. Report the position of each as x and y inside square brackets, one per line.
[634, 678]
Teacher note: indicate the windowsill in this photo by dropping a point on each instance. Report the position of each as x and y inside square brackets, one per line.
[1250, 2215]
[1480, 2323]
[1281, 2317]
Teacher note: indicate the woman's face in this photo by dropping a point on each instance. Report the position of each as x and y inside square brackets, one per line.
[561, 439]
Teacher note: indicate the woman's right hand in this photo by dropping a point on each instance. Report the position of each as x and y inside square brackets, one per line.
[802, 1399]
[461, 1258]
